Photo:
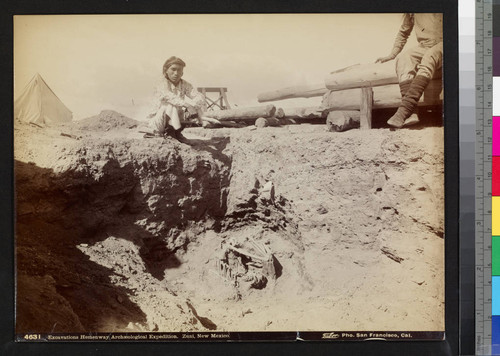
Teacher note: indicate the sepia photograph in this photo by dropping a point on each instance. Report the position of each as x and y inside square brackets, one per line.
[199, 176]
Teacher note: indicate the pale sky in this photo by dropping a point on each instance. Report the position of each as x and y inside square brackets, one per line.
[99, 62]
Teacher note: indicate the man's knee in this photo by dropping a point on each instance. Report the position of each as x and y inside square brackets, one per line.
[431, 62]
[406, 63]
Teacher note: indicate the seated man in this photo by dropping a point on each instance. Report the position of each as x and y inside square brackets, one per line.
[416, 66]
[175, 101]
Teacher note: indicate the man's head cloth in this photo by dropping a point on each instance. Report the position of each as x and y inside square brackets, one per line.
[170, 62]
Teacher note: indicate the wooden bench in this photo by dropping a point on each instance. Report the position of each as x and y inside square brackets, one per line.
[220, 102]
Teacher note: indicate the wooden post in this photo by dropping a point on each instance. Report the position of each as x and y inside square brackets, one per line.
[224, 97]
[366, 106]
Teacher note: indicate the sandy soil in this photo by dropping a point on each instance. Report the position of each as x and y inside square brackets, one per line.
[116, 232]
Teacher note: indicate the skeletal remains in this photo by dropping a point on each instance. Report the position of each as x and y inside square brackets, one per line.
[245, 261]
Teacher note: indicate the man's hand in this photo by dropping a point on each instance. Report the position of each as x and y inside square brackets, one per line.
[385, 59]
[191, 110]
[206, 121]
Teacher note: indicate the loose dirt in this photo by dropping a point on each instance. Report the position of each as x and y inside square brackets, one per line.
[116, 232]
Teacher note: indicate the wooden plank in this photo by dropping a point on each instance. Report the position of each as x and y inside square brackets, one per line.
[366, 104]
[300, 91]
[211, 90]
[362, 76]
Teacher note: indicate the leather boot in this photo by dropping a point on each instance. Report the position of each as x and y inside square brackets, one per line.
[181, 138]
[169, 132]
[413, 119]
[409, 103]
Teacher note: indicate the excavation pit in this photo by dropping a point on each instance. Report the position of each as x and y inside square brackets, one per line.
[115, 232]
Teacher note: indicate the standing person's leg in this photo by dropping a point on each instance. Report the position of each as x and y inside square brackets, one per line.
[430, 62]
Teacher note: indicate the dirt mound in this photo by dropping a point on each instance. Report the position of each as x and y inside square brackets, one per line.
[106, 120]
[139, 229]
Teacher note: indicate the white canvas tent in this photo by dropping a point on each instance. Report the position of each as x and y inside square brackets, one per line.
[40, 105]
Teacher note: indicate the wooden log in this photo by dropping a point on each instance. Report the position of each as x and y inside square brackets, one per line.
[70, 136]
[280, 113]
[301, 112]
[210, 120]
[242, 113]
[301, 91]
[338, 121]
[268, 121]
[384, 97]
[211, 125]
[287, 121]
[362, 76]
[366, 105]
[231, 124]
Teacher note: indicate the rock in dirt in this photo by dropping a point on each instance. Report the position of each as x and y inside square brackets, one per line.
[322, 210]
[207, 323]
[267, 192]
[391, 254]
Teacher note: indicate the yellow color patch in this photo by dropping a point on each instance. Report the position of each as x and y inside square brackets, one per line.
[495, 216]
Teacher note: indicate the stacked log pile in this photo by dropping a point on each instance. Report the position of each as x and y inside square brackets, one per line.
[346, 92]
[349, 95]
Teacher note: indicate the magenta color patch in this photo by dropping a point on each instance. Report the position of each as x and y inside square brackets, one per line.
[496, 136]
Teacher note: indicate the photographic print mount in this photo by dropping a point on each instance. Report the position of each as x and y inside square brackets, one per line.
[199, 316]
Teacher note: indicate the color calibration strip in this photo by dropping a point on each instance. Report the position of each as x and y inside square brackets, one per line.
[485, 286]
[495, 180]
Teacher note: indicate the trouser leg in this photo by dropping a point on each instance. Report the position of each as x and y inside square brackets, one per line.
[418, 62]
[407, 62]
[431, 62]
[159, 121]
[167, 115]
[176, 116]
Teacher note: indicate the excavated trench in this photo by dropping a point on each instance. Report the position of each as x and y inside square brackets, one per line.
[151, 235]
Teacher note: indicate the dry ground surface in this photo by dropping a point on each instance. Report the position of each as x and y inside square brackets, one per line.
[115, 232]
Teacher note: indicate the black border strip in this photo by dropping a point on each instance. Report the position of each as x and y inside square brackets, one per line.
[236, 336]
